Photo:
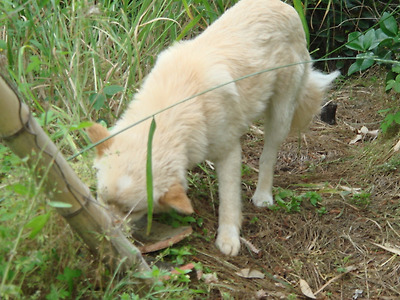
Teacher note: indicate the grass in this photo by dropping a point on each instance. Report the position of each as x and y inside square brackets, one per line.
[77, 62]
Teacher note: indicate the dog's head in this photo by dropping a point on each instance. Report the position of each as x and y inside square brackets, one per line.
[122, 179]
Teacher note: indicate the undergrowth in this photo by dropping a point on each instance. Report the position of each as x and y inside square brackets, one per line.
[78, 62]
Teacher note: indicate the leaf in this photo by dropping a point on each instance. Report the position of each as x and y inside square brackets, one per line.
[68, 277]
[396, 147]
[149, 176]
[389, 247]
[59, 204]
[19, 188]
[388, 24]
[250, 273]
[98, 100]
[300, 10]
[36, 224]
[111, 90]
[364, 61]
[189, 26]
[3, 45]
[306, 290]
[368, 40]
[82, 125]
[34, 64]
[354, 41]
[396, 68]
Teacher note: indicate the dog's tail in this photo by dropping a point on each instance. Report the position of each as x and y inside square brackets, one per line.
[310, 100]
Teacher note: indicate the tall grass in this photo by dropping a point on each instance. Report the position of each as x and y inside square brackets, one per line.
[77, 61]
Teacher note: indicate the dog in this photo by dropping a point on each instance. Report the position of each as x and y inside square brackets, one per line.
[250, 37]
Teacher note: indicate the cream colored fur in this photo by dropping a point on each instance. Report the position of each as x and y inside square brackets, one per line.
[253, 35]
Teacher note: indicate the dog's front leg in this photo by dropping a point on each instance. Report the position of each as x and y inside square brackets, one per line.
[230, 206]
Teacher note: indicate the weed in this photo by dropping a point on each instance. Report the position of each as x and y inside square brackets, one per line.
[362, 199]
[291, 202]
[177, 255]
[176, 220]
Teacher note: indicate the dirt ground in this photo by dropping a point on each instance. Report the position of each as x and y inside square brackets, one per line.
[348, 250]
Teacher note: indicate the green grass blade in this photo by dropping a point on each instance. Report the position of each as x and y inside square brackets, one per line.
[149, 176]
[299, 8]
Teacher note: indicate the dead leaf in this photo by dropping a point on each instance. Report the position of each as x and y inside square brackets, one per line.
[363, 133]
[250, 245]
[389, 247]
[261, 294]
[397, 147]
[250, 273]
[210, 278]
[306, 290]
[350, 189]
[356, 139]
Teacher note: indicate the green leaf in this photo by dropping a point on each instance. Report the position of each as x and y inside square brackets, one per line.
[69, 276]
[111, 90]
[59, 204]
[389, 25]
[36, 224]
[397, 117]
[390, 85]
[34, 65]
[354, 41]
[98, 100]
[364, 61]
[20, 189]
[3, 45]
[298, 6]
[396, 86]
[189, 26]
[396, 68]
[149, 176]
[84, 124]
[368, 40]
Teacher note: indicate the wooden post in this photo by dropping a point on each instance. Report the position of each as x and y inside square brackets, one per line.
[20, 131]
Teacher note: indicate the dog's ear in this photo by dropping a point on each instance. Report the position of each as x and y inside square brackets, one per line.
[177, 199]
[96, 132]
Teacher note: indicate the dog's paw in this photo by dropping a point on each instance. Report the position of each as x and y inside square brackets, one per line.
[263, 199]
[228, 241]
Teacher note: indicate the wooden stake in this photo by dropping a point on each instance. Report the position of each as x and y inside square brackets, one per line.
[20, 131]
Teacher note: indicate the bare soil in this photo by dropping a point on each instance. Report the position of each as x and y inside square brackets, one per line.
[349, 252]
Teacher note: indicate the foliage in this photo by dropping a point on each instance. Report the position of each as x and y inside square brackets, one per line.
[377, 46]
[330, 22]
[289, 201]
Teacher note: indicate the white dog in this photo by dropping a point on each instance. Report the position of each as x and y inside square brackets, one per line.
[252, 36]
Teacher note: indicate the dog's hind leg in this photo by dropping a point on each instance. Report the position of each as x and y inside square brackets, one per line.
[276, 127]
[230, 207]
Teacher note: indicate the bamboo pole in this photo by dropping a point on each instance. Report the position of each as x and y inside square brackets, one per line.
[23, 135]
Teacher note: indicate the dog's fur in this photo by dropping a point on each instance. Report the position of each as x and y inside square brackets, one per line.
[253, 35]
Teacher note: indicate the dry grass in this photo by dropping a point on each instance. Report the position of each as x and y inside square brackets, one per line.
[349, 249]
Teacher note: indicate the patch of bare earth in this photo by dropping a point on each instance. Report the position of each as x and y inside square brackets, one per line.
[352, 251]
